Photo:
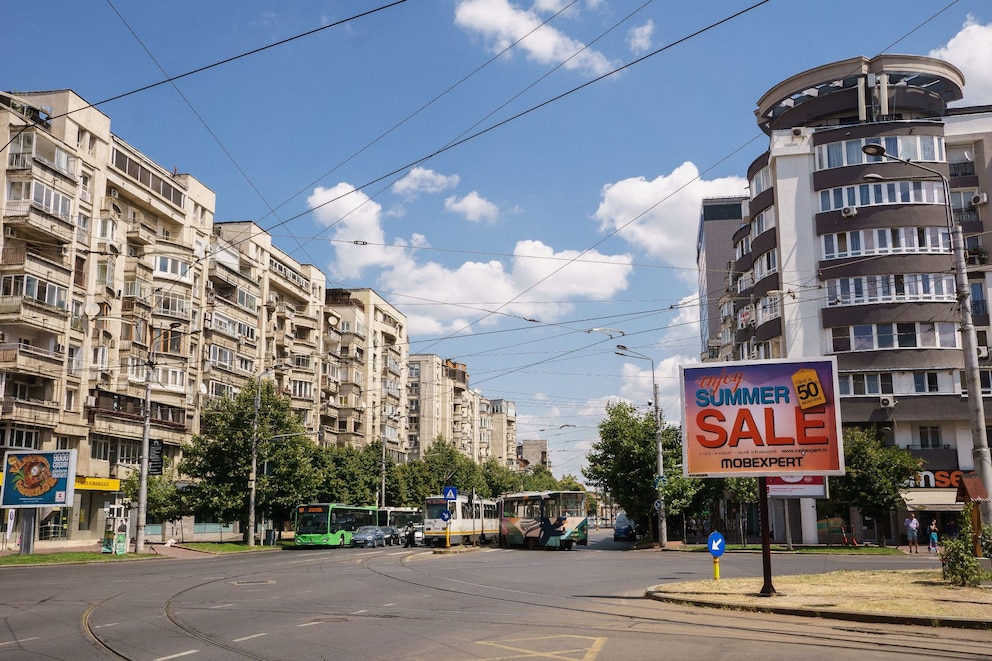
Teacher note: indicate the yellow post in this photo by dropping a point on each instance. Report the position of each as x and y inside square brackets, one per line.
[447, 535]
[716, 569]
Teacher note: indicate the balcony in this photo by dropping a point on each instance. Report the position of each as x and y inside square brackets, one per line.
[49, 263]
[141, 234]
[36, 221]
[23, 309]
[31, 412]
[27, 359]
[966, 169]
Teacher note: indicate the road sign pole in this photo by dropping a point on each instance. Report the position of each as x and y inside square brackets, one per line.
[716, 569]
[767, 589]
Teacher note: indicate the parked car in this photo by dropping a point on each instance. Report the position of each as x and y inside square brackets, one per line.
[418, 535]
[624, 530]
[368, 536]
[392, 535]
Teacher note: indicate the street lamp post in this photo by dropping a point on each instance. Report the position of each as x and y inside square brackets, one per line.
[976, 405]
[139, 534]
[662, 520]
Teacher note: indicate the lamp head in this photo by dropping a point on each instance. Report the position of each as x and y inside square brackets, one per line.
[874, 150]
[622, 347]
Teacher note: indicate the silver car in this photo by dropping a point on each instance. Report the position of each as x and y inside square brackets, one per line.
[368, 536]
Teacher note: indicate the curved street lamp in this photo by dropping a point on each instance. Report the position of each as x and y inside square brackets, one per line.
[976, 405]
[662, 517]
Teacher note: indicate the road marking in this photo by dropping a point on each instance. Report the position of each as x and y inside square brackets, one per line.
[22, 640]
[364, 610]
[104, 626]
[254, 635]
[591, 652]
[387, 605]
[222, 605]
[176, 656]
[308, 624]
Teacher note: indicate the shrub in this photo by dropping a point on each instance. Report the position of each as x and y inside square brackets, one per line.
[960, 564]
[985, 539]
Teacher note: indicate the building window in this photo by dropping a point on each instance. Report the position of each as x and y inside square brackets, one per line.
[865, 384]
[924, 382]
[929, 437]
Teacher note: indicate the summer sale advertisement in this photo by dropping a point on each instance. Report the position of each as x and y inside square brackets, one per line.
[752, 419]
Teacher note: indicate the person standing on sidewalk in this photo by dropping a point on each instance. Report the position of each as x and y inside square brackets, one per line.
[932, 543]
[912, 525]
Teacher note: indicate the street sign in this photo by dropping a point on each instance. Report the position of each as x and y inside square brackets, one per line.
[155, 462]
[715, 544]
[657, 506]
[450, 493]
[659, 480]
[445, 515]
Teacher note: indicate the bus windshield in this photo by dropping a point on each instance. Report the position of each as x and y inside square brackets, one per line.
[312, 523]
[435, 507]
[572, 504]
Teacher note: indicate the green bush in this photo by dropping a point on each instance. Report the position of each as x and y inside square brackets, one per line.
[960, 564]
[985, 539]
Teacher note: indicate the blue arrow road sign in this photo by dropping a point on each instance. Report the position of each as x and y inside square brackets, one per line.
[450, 493]
[715, 544]
[445, 515]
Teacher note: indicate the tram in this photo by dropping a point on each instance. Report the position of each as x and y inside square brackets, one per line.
[400, 517]
[543, 519]
[466, 523]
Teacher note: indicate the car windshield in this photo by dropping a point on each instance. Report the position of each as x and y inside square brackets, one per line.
[365, 530]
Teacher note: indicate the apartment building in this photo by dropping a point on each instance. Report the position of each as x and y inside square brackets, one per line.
[373, 356]
[719, 218]
[847, 254]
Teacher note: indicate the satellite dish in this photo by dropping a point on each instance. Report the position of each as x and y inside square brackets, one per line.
[332, 321]
[91, 309]
[203, 389]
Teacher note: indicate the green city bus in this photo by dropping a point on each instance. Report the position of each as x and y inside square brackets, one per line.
[330, 524]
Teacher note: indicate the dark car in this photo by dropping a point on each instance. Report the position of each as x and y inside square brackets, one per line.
[392, 535]
[624, 530]
[368, 536]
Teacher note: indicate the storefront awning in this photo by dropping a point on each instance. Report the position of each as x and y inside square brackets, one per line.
[932, 500]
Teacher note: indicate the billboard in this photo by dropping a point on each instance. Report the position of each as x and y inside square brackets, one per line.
[761, 418]
[32, 478]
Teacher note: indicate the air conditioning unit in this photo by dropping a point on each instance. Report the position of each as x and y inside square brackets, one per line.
[60, 348]
[983, 352]
[8, 232]
[91, 401]
[114, 193]
[849, 212]
[210, 285]
[887, 401]
[979, 198]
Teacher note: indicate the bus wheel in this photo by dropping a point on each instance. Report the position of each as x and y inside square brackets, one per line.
[567, 546]
[531, 543]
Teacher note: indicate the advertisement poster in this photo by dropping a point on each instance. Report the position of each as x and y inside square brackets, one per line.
[763, 418]
[797, 486]
[32, 478]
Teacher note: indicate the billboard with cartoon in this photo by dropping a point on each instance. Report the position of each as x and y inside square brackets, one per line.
[32, 478]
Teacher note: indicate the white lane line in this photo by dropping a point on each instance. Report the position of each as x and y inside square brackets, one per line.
[176, 656]
[387, 605]
[254, 635]
[359, 612]
[308, 624]
[104, 626]
[22, 640]
[221, 605]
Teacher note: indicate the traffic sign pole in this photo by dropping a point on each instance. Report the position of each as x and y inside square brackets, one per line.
[716, 568]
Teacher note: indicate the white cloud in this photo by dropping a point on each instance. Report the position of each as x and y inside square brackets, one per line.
[474, 207]
[501, 24]
[667, 213]
[457, 291]
[354, 217]
[440, 299]
[971, 51]
[639, 38]
[423, 180]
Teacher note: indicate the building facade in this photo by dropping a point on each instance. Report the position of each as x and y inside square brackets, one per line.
[849, 255]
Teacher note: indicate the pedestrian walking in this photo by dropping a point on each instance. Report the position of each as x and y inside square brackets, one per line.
[912, 525]
[932, 544]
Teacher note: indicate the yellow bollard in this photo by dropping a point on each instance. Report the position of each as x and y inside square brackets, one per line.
[716, 569]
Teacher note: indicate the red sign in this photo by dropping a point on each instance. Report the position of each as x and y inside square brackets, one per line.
[797, 486]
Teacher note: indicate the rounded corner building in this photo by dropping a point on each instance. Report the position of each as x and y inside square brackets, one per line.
[845, 249]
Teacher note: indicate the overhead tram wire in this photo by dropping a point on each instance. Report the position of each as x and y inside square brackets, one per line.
[203, 122]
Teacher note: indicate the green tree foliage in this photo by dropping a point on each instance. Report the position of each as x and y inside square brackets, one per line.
[499, 478]
[623, 461]
[570, 483]
[874, 474]
[165, 502]
[218, 459]
[539, 479]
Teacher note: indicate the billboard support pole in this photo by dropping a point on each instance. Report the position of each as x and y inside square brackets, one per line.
[28, 518]
[767, 589]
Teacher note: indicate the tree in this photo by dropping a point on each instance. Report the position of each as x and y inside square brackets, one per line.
[165, 502]
[218, 459]
[622, 462]
[570, 483]
[874, 474]
[499, 478]
[539, 479]
[743, 491]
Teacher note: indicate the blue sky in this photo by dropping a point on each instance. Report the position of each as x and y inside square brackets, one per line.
[504, 250]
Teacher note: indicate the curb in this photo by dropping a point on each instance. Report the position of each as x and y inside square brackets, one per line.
[456, 549]
[826, 613]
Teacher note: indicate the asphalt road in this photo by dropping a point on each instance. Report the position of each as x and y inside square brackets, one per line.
[396, 603]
